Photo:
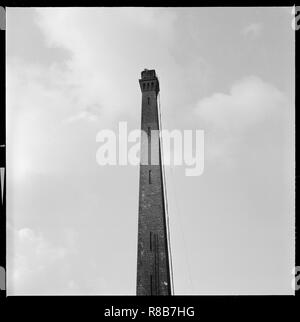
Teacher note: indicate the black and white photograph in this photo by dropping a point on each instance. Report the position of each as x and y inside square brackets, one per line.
[149, 151]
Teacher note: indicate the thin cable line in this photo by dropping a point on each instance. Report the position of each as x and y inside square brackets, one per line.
[166, 200]
[177, 212]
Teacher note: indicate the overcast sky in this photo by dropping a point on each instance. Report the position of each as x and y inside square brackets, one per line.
[72, 224]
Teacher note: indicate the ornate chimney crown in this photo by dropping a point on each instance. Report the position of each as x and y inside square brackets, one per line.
[149, 81]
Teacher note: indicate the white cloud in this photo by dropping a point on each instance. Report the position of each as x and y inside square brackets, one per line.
[30, 256]
[89, 114]
[251, 104]
[252, 30]
[108, 49]
[250, 100]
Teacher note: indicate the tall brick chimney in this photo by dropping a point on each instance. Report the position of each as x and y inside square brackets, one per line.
[153, 269]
